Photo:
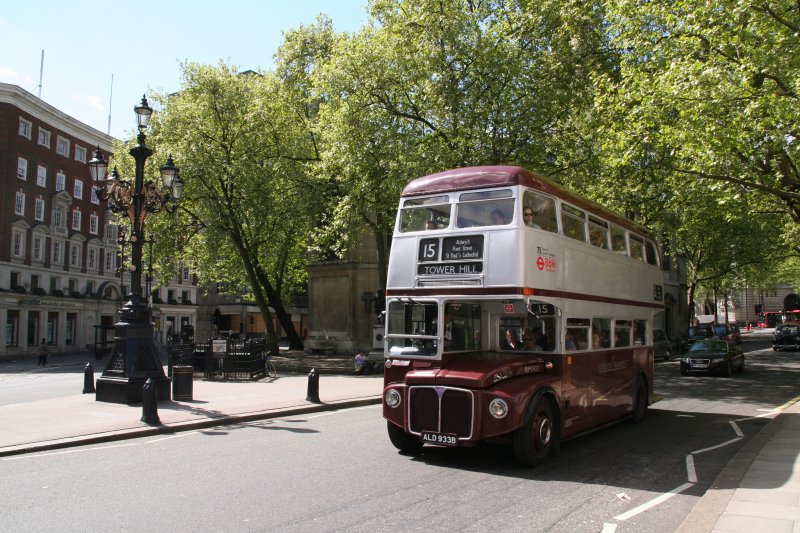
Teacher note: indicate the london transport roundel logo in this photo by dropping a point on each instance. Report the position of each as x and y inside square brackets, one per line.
[540, 263]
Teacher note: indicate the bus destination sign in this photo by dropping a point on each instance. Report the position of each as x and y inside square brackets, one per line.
[462, 248]
[449, 269]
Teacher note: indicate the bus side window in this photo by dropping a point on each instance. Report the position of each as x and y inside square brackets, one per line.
[598, 233]
[576, 336]
[618, 240]
[639, 332]
[574, 222]
[542, 209]
[637, 248]
[622, 333]
[601, 333]
[651, 253]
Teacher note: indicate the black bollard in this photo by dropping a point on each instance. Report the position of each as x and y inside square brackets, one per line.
[313, 386]
[88, 379]
[150, 403]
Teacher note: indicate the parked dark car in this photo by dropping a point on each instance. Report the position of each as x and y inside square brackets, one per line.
[662, 346]
[728, 333]
[786, 336]
[697, 333]
[712, 356]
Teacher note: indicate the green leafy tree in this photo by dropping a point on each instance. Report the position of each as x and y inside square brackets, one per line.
[242, 144]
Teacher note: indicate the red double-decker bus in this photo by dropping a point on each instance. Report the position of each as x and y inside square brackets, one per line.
[515, 308]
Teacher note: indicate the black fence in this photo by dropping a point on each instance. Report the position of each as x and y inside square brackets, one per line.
[226, 359]
[180, 354]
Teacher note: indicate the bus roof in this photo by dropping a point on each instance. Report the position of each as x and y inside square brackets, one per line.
[466, 178]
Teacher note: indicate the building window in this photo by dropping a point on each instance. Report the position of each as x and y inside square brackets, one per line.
[111, 233]
[38, 211]
[19, 204]
[58, 218]
[44, 137]
[35, 281]
[80, 154]
[76, 220]
[61, 181]
[18, 248]
[111, 261]
[62, 146]
[38, 248]
[58, 250]
[78, 189]
[93, 196]
[94, 222]
[74, 257]
[25, 127]
[22, 168]
[185, 273]
[92, 259]
[41, 176]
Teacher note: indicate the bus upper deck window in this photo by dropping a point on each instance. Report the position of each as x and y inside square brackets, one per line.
[618, 240]
[421, 214]
[637, 248]
[598, 232]
[573, 221]
[486, 208]
[651, 253]
[540, 211]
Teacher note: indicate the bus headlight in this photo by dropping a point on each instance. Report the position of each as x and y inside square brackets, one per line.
[392, 398]
[498, 408]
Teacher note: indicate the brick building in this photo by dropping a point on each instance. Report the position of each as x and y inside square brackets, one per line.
[58, 253]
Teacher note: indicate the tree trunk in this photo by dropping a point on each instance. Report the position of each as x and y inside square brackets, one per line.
[285, 319]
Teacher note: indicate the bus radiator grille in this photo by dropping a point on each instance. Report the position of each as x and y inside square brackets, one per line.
[441, 409]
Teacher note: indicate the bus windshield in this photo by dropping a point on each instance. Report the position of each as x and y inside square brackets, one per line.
[421, 214]
[411, 328]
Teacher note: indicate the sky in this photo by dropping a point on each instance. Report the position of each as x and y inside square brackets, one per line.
[141, 45]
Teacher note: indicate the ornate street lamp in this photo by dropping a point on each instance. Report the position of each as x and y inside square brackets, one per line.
[135, 357]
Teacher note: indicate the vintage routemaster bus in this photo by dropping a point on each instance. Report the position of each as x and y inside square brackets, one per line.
[515, 309]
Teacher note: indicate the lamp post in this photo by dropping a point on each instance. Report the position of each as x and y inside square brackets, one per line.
[135, 358]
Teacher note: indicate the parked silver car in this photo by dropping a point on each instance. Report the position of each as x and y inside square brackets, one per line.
[662, 346]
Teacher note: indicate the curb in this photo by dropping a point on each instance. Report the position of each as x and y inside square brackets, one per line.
[706, 513]
[147, 431]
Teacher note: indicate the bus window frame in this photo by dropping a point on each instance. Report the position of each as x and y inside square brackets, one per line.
[477, 201]
[601, 226]
[432, 204]
[573, 215]
[544, 209]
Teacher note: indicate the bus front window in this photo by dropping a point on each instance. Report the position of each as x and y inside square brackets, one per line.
[422, 214]
[412, 328]
[490, 208]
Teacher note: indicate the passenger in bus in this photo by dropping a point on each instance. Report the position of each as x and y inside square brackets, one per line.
[498, 218]
[509, 341]
[527, 217]
[530, 340]
[619, 245]
[569, 341]
[596, 339]
[429, 225]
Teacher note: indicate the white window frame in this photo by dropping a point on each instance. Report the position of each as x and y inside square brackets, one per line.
[61, 181]
[58, 252]
[22, 168]
[19, 204]
[44, 137]
[77, 189]
[80, 154]
[25, 128]
[93, 197]
[38, 210]
[111, 261]
[38, 248]
[76, 219]
[94, 223]
[18, 244]
[75, 255]
[62, 146]
[41, 175]
[91, 261]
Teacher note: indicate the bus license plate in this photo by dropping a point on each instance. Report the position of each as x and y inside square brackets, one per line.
[442, 439]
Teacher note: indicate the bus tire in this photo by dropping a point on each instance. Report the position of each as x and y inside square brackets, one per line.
[536, 439]
[639, 402]
[403, 441]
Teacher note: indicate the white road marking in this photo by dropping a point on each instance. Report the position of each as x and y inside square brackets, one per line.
[652, 503]
[18, 457]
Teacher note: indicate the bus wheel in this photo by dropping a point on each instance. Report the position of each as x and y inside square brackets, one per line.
[639, 402]
[403, 441]
[534, 441]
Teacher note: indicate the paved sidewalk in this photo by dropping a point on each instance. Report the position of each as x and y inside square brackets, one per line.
[79, 419]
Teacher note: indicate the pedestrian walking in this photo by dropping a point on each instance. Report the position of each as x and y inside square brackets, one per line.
[43, 352]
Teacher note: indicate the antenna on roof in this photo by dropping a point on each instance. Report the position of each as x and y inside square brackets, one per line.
[110, 98]
[41, 70]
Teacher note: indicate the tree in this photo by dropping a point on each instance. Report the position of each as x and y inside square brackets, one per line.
[243, 144]
[712, 88]
[431, 85]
